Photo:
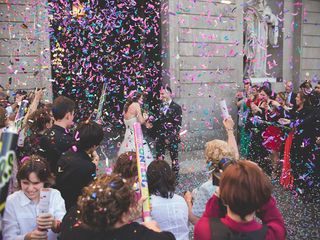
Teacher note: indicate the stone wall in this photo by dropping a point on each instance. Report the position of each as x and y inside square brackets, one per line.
[205, 63]
[24, 45]
[310, 41]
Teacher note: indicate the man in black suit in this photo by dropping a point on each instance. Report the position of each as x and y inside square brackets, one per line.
[167, 127]
[76, 168]
[290, 95]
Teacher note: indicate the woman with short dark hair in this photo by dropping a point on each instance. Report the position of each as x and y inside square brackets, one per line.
[245, 191]
[168, 209]
[103, 214]
[22, 219]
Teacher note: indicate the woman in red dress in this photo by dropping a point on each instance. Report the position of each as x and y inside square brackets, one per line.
[273, 135]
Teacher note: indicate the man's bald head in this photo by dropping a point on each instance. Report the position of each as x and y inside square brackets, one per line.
[289, 87]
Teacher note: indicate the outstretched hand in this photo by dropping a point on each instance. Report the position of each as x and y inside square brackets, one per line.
[149, 125]
[38, 93]
[95, 158]
[228, 123]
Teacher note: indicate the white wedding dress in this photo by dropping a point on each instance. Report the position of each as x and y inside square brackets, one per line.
[128, 141]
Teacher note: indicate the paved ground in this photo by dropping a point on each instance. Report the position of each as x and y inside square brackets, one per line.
[302, 218]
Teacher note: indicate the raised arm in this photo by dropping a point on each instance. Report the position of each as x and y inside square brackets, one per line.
[139, 113]
[229, 125]
[34, 105]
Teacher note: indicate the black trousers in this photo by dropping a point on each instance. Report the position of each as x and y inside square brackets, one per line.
[161, 147]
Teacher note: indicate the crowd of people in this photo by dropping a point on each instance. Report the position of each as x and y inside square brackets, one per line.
[281, 132]
[56, 155]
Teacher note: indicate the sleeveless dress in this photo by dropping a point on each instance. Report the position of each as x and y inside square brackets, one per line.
[128, 141]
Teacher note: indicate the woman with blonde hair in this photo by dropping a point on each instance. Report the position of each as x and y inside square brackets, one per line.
[219, 154]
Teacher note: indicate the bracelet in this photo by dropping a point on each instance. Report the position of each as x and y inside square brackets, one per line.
[229, 129]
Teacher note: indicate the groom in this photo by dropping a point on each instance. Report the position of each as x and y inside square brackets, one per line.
[167, 127]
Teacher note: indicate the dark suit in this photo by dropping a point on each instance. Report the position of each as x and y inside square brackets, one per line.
[75, 170]
[292, 99]
[53, 143]
[167, 127]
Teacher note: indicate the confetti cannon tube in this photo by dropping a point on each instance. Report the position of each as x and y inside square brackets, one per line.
[21, 113]
[8, 141]
[101, 101]
[142, 171]
[8, 163]
[224, 109]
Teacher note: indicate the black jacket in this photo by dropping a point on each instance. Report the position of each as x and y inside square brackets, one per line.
[71, 229]
[53, 143]
[168, 126]
[292, 99]
[75, 170]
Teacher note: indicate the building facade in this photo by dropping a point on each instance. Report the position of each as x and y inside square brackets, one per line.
[202, 43]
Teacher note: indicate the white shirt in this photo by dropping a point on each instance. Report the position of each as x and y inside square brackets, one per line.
[171, 215]
[289, 97]
[9, 110]
[201, 196]
[166, 106]
[20, 215]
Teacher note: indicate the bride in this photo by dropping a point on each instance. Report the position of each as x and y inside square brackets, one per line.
[133, 114]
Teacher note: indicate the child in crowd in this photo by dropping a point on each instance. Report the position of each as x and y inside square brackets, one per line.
[21, 220]
[77, 167]
[126, 167]
[58, 139]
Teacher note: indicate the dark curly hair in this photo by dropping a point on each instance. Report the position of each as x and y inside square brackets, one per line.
[161, 179]
[38, 120]
[267, 90]
[306, 98]
[39, 166]
[126, 165]
[131, 99]
[104, 201]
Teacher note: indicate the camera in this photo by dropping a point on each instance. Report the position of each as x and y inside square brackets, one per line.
[221, 166]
